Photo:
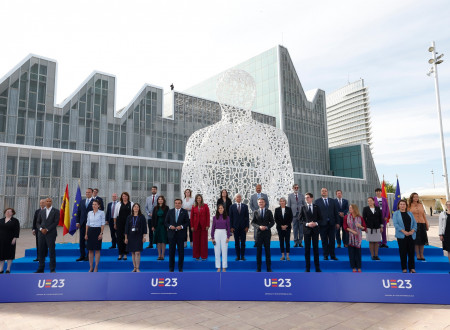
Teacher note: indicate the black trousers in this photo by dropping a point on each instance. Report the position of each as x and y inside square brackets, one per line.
[176, 243]
[113, 233]
[120, 233]
[37, 245]
[150, 232]
[83, 252]
[47, 241]
[285, 236]
[354, 256]
[311, 235]
[327, 235]
[239, 242]
[263, 238]
[344, 233]
[406, 250]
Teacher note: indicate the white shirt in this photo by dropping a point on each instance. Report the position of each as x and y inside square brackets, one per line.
[47, 211]
[187, 205]
[283, 209]
[96, 219]
[380, 202]
[373, 210]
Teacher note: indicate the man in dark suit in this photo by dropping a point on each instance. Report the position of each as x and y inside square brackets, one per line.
[254, 202]
[311, 217]
[47, 223]
[83, 209]
[177, 221]
[239, 223]
[35, 229]
[342, 210]
[98, 198]
[109, 219]
[262, 222]
[329, 223]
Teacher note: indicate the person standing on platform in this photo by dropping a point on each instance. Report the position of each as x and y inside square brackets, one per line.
[98, 198]
[239, 223]
[342, 211]
[220, 235]
[35, 230]
[329, 223]
[374, 223]
[354, 224]
[295, 201]
[405, 231]
[9, 233]
[150, 203]
[176, 223]
[46, 223]
[94, 234]
[254, 203]
[283, 219]
[262, 222]
[416, 208]
[121, 213]
[109, 219]
[158, 227]
[83, 209]
[224, 200]
[188, 202]
[200, 224]
[311, 217]
[444, 229]
[135, 231]
[382, 203]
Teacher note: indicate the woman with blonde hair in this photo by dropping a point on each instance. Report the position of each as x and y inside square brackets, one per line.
[416, 208]
[354, 224]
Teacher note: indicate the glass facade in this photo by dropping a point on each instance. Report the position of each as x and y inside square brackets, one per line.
[347, 161]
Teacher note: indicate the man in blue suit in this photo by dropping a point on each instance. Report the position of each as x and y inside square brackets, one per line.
[176, 222]
[83, 209]
[239, 223]
[98, 198]
[328, 224]
[342, 210]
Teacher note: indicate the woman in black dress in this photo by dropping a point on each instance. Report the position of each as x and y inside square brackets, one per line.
[94, 234]
[121, 213]
[159, 229]
[283, 218]
[135, 230]
[374, 221]
[224, 200]
[9, 233]
[444, 229]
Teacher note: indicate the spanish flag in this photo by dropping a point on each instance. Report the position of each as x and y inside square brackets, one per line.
[64, 213]
[384, 194]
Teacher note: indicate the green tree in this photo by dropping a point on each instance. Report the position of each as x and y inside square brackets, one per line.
[390, 188]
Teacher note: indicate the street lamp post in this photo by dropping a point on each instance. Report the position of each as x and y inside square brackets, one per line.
[435, 61]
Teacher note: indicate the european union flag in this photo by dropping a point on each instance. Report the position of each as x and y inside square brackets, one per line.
[73, 221]
[397, 197]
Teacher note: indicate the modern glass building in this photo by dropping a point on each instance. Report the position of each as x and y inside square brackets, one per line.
[348, 115]
[86, 141]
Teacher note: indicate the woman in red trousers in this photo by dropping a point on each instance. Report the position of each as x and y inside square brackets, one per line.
[200, 225]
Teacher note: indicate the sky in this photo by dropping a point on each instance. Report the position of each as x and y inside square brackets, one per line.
[330, 43]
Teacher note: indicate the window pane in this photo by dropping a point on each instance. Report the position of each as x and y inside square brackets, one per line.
[11, 165]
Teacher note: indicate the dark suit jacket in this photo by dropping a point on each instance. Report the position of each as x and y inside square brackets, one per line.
[372, 220]
[330, 212]
[155, 217]
[49, 223]
[83, 211]
[283, 221]
[307, 217]
[141, 225]
[239, 221]
[259, 221]
[344, 208]
[36, 216]
[102, 206]
[183, 220]
[109, 214]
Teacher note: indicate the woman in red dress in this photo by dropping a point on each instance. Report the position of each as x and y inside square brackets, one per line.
[200, 220]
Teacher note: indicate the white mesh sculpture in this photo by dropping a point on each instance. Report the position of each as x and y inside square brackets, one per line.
[237, 152]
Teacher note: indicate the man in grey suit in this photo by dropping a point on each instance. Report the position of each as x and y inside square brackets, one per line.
[150, 203]
[295, 201]
[254, 203]
[47, 223]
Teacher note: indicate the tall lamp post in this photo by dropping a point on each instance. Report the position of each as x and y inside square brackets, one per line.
[435, 61]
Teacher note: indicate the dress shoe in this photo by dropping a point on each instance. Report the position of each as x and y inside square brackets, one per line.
[204, 259]
[2, 272]
[282, 258]
[119, 258]
[37, 259]
[237, 259]
[288, 259]
[243, 259]
[300, 245]
[373, 258]
[86, 259]
[38, 271]
[7, 272]
[258, 270]
[112, 247]
[180, 270]
[377, 258]
[296, 245]
[171, 270]
[307, 270]
[269, 270]
[325, 258]
[53, 271]
[254, 245]
[125, 258]
[318, 270]
[338, 246]
[334, 258]
[80, 259]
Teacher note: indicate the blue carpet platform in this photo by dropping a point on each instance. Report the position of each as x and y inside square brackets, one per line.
[380, 281]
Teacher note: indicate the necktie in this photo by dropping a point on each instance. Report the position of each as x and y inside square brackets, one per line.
[239, 208]
[340, 203]
[296, 197]
[326, 202]
[112, 211]
[262, 213]
[176, 218]
[87, 202]
[310, 208]
[153, 200]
